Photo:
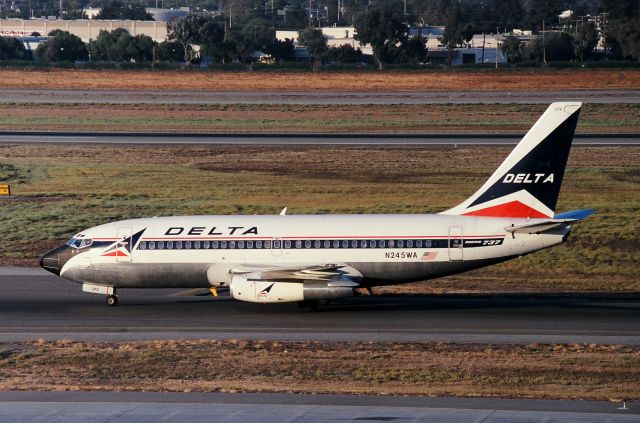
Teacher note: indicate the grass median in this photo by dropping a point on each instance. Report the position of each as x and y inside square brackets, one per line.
[270, 118]
[346, 81]
[555, 371]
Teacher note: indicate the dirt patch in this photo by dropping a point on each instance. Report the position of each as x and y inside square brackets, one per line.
[511, 371]
[31, 199]
[322, 81]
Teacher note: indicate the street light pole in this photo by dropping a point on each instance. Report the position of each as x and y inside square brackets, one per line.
[496, 47]
[544, 46]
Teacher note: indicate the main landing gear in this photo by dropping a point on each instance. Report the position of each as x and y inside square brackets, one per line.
[309, 305]
[112, 300]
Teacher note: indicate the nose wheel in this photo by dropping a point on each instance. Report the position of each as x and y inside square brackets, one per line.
[112, 300]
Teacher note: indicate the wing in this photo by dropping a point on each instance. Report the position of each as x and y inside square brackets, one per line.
[308, 282]
[299, 273]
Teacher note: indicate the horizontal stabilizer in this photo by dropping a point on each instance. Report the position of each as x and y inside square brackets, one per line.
[575, 214]
[546, 225]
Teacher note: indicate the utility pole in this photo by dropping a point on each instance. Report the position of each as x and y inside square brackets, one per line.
[497, 47]
[310, 19]
[604, 32]
[544, 46]
[405, 7]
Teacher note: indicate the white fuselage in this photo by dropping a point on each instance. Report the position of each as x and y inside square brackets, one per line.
[203, 251]
[310, 258]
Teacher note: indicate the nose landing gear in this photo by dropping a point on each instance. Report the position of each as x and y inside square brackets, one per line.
[112, 300]
[110, 291]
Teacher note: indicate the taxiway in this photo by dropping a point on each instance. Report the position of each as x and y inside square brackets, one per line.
[204, 97]
[34, 304]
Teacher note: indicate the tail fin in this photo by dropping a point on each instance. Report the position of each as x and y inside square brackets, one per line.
[527, 183]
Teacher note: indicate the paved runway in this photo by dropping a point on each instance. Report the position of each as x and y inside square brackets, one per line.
[276, 408]
[70, 96]
[298, 139]
[35, 305]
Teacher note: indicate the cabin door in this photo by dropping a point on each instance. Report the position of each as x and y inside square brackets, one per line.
[456, 244]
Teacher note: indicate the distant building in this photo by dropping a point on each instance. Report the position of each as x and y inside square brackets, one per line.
[426, 31]
[336, 37]
[167, 15]
[496, 40]
[86, 29]
[91, 12]
[464, 56]
[32, 42]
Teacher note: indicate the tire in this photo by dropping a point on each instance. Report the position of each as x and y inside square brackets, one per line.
[308, 305]
[112, 300]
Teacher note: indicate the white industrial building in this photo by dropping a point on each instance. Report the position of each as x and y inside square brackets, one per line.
[86, 29]
[336, 37]
[438, 54]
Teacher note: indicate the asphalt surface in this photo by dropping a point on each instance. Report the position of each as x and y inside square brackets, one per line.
[277, 408]
[71, 96]
[297, 139]
[35, 305]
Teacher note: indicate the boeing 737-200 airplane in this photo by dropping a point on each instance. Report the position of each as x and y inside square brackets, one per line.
[280, 258]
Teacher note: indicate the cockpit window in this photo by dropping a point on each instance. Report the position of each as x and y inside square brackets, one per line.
[79, 242]
[74, 242]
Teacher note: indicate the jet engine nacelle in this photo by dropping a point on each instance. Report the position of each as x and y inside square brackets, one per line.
[258, 291]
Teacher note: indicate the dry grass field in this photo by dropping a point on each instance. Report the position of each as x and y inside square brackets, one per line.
[555, 371]
[331, 81]
[239, 118]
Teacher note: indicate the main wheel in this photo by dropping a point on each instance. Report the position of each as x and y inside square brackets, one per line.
[112, 300]
[308, 305]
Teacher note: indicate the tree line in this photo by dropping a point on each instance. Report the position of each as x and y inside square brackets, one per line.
[115, 46]
[383, 26]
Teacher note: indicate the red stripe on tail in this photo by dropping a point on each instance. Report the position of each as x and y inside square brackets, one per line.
[511, 209]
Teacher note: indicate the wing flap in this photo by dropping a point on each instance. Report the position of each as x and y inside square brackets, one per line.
[335, 273]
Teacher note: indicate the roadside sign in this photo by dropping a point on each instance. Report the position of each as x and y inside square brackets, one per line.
[5, 190]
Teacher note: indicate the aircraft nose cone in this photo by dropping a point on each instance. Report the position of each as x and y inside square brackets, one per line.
[53, 260]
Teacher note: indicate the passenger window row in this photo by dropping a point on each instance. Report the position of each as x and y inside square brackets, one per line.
[292, 244]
